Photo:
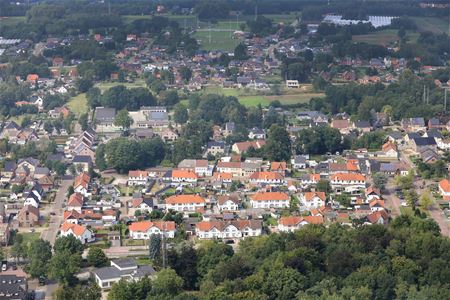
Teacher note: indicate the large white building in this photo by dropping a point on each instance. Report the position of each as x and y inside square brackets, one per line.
[228, 229]
[270, 200]
[145, 229]
[185, 203]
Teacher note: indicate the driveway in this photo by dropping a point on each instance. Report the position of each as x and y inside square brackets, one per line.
[50, 233]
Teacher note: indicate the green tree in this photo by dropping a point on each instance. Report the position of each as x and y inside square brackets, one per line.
[96, 257]
[63, 266]
[379, 180]
[240, 52]
[83, 121]
[155, 247]
[123, 119]
[324, 186]
[84, 84]
[278, 147]
[68, 243]
[186, 73]
[167, 283]
[426, 200]
[39, 255]
[90, 291]
[180, 115]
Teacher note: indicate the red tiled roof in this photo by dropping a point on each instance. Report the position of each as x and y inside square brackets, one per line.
[185, 199]
[266, 196]
[146, 225]
[266, 176]
[76, 199]
[310, 195]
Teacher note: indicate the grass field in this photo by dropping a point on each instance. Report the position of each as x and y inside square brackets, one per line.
[6, 21]
[103, 86]
[29, 237]
[284, 18]
[78, 104]
[220, 40]
[384, 37]
[435, 25]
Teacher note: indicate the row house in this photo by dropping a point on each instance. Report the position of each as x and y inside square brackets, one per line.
[145, 229]
[292, 223]
[137, 177]
[185, 203]
[270, 200]
[237, 169]
[75, 202]
[348, 182]
[198, 166]
[263, 178]
[182, 177]
[81, 184]
[228, 229]
[309, 179]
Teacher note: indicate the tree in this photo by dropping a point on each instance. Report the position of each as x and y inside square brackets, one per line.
[185, 73]
[343, 200]
[83, 121]
[426, 201]
[68, 243]
[124, 289]
[240, 52]
[171, 98]
[123, 120]
[180, 114]
[155, 247]
[324, 186]
[96, 257]
[167, 283]
[278, 147]
[64, 265]
[84, 84]
[39, 254]
[91, 291]
[411, 198]
[379, 180]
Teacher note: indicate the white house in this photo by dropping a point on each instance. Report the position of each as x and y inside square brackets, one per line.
[75, 202]
[270, 200]
[227, 203]
[81, 184]
[137, 177]
[185, 203]
[311, 200]
[83, 234]
[292, 223]
[228, 229]
[349, 182]
[266, 178]
[257, 134]
[145, 229]
[181, 177]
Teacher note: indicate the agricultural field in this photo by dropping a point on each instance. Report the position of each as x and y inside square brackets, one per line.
[435, 25]
[8, 21]
[78, 104]
[384, 37]
[220, 40]
[103, 86]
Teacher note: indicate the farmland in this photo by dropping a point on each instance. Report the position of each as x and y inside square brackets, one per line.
[384, 37]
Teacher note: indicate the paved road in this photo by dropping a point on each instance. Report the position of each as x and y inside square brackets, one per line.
[124, 251]
[51, 232]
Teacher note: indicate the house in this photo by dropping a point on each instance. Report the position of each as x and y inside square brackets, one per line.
[8, 171]
[429, 156]
[28, 216]
[376, 205]
[227, 203]
[394, 168]
[299, 162]
[230, 128]
[198, 166]
[27, 166]
[292, 84]
[228, 229]
[215, 148]
[242, 147]
[444, 189]
[257, 134]
[13, 287]
[145, 229]
[390, 150]
[75, 202]
[183, 177]
[311, 200]
[292, 223]
[231, 167]
[58, 62]
[421, 143]
[137, 177]
[185, 203]
[350, 182]
[81, 184]
[82, 162]
[33, 196]
[279, 167]
[125, 268]
[104, 119]
[83, 234]
[378, 217]
[58, 112]
[435, 123]
[342, 125]
[362, 126]
[413, 124]
[372, 193]
[310, 179]
[266, 178]
[270, 200]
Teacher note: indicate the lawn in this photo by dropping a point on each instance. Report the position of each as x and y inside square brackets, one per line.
[6, 21]
[103, 86]
[383, 37]
[436, 25]
[78, 104]
[283, 18]
[220, 40]
[29, 237]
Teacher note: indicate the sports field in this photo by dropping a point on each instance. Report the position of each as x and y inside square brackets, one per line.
[220, 40]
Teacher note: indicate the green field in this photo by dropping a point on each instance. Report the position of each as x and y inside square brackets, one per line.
[220, 40]
[435, 25]
[78, 104]
[103, 86]
[384, 37]
[284, 18]
[29, 237]
[11, 20]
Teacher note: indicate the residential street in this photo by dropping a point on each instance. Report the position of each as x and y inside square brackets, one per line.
[50, 233]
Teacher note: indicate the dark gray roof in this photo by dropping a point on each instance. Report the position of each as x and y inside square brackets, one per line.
[362, 124]
[12, 287]
[220, 144]
[82, 159]
[108, 273]
[105, 114]
[55, 157]
[434, 133]
[300, 159]
[424, 141]
[125, 262]
[10, 166]
[396, 135]
[256, 130]
[158, 116]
